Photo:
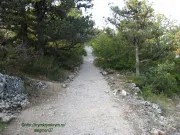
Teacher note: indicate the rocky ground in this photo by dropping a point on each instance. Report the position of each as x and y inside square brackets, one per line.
[12, 100]
[150, 115]
[16, 93]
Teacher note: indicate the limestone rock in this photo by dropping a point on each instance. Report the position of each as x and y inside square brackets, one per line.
[64, 85]
[71, 77]
[157, 132]
[41, 85]
[123, 92]
[11, 97]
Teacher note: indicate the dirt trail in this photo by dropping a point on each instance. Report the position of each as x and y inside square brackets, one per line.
[85, 107]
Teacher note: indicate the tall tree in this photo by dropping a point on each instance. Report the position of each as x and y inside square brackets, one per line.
[134, 21]
[37, 22]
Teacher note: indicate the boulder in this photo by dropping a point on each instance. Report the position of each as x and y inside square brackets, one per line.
[10, 85]
[11, 97]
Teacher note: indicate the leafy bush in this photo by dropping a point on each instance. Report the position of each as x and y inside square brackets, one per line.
[161, 99]
[162, 79]
[176, 72]
[112, 52]
[46, 66]
[72, 58]
[53, 65]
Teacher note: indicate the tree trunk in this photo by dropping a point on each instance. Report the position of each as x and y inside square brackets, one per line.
[40, 37]
[24, 47]
[40, 7]
[137, 58]
[24, 44]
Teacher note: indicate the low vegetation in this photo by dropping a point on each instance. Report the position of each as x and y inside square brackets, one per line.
[144, 45]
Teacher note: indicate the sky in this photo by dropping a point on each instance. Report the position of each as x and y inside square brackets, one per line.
[170, 8]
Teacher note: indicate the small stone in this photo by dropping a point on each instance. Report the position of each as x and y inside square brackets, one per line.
[137, 89]
[155, 106]
[157, 132]
[41, 85]
[146, 103]
[112, 78]
[123, 92]
[133, 84]
[71, 77]
[64, 85]
[104, 73]
[116, 91]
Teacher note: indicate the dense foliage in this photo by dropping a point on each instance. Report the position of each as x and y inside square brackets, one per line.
[144, 42]
[43, 36]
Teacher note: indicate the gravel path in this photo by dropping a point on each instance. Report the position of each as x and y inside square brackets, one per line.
[85, 107]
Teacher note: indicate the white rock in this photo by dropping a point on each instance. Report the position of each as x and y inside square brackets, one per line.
[123, 92]
[116, 91]
[112, 78]
[137, 89]
[155, 106]
[64, 85]
[71, 77]
[104, 73]
[154, 132]
[133, 84]
[157, 132]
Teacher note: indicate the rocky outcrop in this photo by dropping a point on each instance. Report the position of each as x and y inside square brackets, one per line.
[12, 100]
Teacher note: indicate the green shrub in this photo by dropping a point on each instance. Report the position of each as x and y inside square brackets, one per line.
[139, 81]
[161, 99]
[72, 58]
[176, 72]
[2, 126]
[100, 62]
[52, 66]
[46, 66]
[162, 79]
[113, 52]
